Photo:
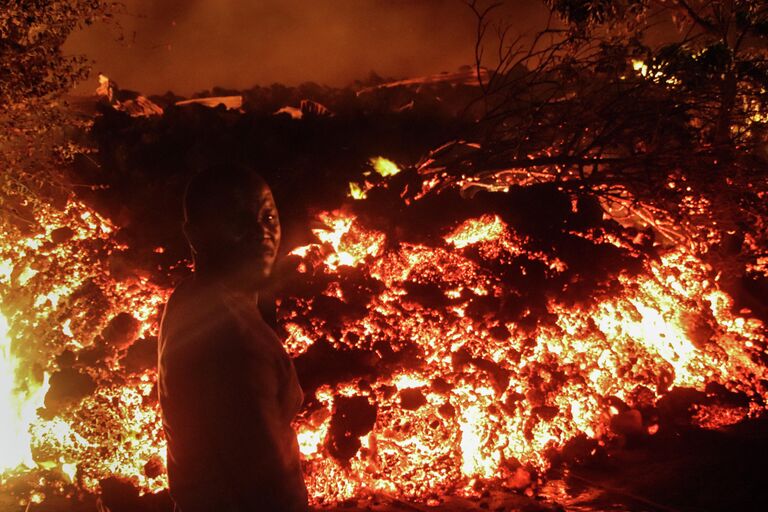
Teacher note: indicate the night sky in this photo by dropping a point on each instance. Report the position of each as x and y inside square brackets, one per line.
[192, 45]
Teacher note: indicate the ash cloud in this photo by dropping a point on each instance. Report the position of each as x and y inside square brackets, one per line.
[193, 45]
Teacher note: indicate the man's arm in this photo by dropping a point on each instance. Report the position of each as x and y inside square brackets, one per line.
[248, 433]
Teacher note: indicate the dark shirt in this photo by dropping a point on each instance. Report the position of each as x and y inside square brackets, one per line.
[228, 392]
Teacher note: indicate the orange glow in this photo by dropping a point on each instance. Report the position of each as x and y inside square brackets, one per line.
[18, 406]
[384, 166]
[470, 400]
[57, 295]
[485, 229]
[466, 429]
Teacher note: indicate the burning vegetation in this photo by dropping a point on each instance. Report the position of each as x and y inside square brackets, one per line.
[570, 274]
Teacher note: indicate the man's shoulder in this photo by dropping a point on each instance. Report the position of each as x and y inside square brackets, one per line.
[195, 311]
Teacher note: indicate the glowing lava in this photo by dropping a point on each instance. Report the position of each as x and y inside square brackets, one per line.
[477, 396]
[20, 397]
[464, 380]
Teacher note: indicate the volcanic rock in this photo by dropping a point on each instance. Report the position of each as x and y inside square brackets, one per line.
[628, 423]
[447, 411]
[67, 386]
[62, 234]
[510, 404]
[121, 331]
[641, 397]
[322, 364]
[118, 495]
[545, 412]
[520, 479]
[428, 295]
[460, 357]
[154, 467]
[94, 355]
[141, 356]
[412, 398]
[676, 407]
[352, 418]
[440, 385]
[499, 332]
[66, 359]
[499, 376]
[580, 449]
[718, 393]
[699, 331]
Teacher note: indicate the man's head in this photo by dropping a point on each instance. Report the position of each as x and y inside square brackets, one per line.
[231, 222]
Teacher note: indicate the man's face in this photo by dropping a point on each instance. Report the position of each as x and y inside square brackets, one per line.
[251, 235]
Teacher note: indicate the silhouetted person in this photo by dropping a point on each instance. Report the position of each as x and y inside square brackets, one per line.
[228, 390]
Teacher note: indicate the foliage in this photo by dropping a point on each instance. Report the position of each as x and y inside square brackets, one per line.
[32, 33]
[34, 74]
[655, 101]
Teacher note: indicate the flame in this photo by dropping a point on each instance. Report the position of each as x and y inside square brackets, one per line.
[20, 398]
[654, 72]
[356, 191]
[475, 434]
[640, 66]
[311, 438]
[384, 166]
[346, 244]
[485, 229]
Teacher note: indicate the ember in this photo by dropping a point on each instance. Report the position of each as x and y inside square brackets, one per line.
[457, 384]
[494, 393]
[61, 351]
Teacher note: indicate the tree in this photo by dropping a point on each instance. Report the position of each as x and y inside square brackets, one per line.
[657, 107]
[34, 74]
[658, 100]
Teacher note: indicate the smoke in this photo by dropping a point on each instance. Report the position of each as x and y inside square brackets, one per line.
[192, 45]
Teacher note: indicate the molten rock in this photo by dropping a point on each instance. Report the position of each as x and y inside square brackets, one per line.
[628, 423]
[154, 467]
[142, 355]
[412, 398]
[121, 331]
[68, 386]
[353, 417]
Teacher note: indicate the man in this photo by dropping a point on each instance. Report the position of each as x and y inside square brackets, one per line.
[228, 390]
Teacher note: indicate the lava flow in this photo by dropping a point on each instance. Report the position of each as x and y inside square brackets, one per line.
[434, 364]
[461, 395]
